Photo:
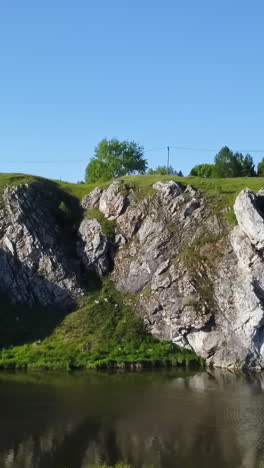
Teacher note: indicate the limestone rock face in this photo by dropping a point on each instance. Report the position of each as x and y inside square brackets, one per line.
[92, 199]
[249, 209]
[34, 265]
[197, 280]
[112, 201]
[93, 246]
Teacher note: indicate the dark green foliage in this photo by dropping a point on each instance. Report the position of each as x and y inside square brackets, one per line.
[248, 167]
[162, 170]
[24, 324]
[261, 168]
[202, 170]
[229, 164]
[115, 158]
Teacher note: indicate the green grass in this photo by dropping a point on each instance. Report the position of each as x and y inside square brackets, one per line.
[222, 189]
[108, 226]
[114, 334]
[104, 321]
[221, 193]
[16, 179]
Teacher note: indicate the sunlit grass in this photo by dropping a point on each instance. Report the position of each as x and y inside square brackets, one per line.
[103, 333]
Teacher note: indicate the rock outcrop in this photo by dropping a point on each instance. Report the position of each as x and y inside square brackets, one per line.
[93, 246]
[35, 267]
[197, 280]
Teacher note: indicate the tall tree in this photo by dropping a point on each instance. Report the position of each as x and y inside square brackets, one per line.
[261, 168]
[229, 164]
[114, 158]
[248, 166]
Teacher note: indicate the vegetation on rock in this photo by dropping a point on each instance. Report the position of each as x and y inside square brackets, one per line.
[107, 225]
[104, 331]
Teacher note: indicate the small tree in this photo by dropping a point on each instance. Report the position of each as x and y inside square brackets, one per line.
[248, 167]
[162, 170]
[114, 158]
[202, 170]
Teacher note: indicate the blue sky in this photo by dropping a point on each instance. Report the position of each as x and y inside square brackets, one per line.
[185, 74]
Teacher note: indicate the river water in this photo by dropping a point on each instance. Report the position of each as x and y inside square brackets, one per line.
[148, 419]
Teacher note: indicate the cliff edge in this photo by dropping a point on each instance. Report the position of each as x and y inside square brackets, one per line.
[195, 280]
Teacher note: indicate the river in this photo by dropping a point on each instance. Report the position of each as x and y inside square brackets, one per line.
[148, 419]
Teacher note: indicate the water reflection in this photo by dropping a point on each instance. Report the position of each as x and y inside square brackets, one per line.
[160, 419]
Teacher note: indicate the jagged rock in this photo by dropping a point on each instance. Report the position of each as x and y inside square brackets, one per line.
[34, 266]
[198, 281]
[93, 246]
[92, 199]
[250, 217]
[113, 200]
[192, 191]
[129, 222]
[191, 207]
[168, 188]
[215, 308]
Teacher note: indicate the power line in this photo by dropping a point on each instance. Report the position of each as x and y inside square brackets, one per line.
[188, 148]
[155, 149]
[161, 148]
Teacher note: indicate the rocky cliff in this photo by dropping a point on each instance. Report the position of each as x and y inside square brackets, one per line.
[195, 279]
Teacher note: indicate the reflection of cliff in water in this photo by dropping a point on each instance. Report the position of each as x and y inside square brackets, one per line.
[162, 419]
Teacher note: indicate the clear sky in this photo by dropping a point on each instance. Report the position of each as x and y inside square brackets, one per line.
[168, 72]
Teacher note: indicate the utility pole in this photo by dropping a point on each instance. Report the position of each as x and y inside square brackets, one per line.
[168, 160]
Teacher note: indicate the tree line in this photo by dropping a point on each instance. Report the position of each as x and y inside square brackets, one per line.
[114, 158]
[229, 164]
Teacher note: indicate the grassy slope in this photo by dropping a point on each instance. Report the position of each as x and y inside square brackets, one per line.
[227, 188]
[105, 320]
[104, 332]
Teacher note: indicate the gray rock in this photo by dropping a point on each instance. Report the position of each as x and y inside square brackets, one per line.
[34, 265]
[93, 246]
[167, 189]
[198, 281]
[92, 199]
[249, 217]
[191, 207]
[192, 191]
[113, 201]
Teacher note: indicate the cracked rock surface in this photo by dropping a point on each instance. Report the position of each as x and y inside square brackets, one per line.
[196, 280]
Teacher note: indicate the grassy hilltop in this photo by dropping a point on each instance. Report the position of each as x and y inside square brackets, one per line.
[104, 331]
[218, 188]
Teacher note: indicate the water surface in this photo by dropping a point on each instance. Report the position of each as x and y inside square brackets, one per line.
[158, 419]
